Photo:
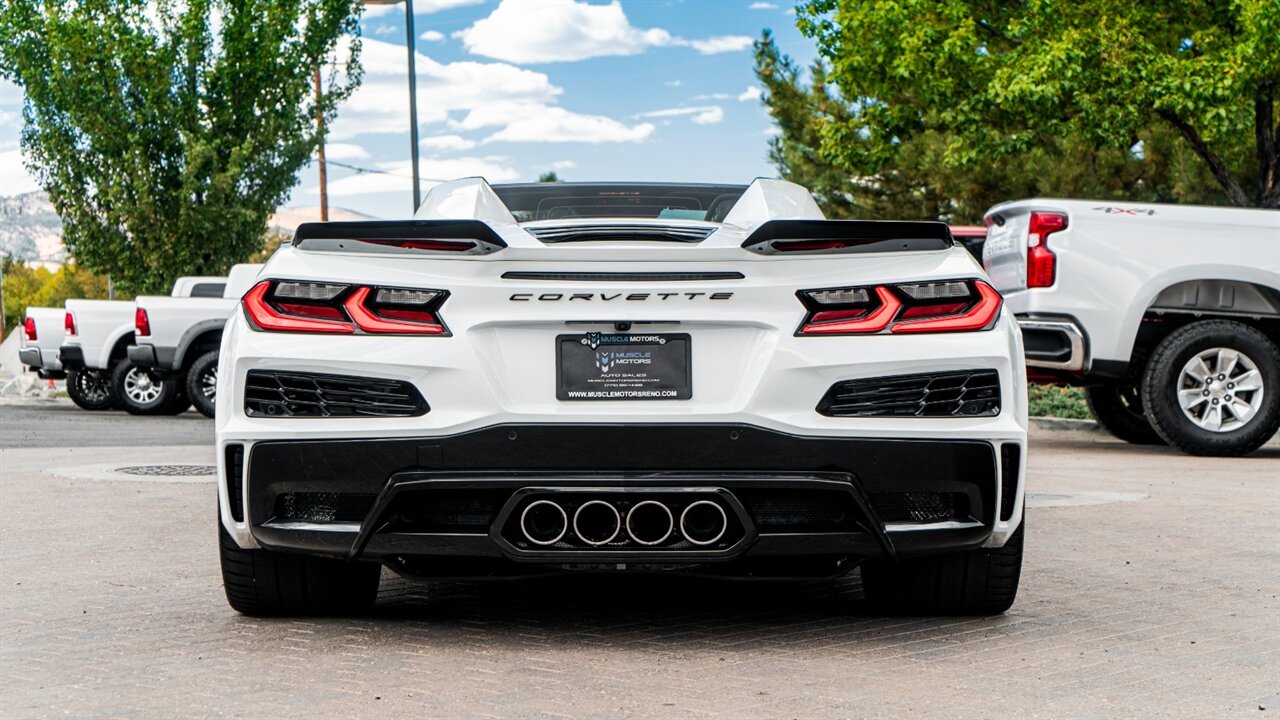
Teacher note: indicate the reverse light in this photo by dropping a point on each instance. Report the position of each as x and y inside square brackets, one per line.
[141, 323]
[307, 291]
[945, 306]
[69, 324]
[379, 318]
[1041, 262]
[29, 329]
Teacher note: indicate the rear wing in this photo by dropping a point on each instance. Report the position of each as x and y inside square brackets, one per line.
[813, 237]
[447, 237]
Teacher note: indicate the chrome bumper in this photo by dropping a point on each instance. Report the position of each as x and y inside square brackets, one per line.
[1054, 344]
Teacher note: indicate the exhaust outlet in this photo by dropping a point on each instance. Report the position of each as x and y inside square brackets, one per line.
[703, 522]
[650, 522]
[543, 522]
[597, 522]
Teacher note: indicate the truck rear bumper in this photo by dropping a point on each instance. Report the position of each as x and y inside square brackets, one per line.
[1054, 343]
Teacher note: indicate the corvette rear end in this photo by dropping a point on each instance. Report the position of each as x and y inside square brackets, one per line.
[621, 378]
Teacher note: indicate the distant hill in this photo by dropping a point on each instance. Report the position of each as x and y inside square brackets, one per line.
[31, 231]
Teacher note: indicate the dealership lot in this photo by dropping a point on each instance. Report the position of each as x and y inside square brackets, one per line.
[1150, 589]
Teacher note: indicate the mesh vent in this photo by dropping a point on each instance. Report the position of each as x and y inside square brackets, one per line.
[801, 510]
[967, 393]
[233, 461]
[323, 507]
[280, 394]
[921, 507]
[445, 511]
[1010, 460]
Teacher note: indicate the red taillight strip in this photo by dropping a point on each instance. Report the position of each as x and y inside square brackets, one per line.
[873, 323]
[431, 245]
[268, 318]
[371, 323]
[977, 317]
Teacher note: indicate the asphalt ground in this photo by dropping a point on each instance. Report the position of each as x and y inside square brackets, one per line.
[59, 423]
[1151, 588]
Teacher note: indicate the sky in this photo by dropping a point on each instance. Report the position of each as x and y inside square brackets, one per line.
[655, 90]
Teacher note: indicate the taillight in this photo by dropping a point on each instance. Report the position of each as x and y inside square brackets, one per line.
[289, 306]
[945, 306]
[29, 328]
[141, 323]
[69, 324]
[1041, 262]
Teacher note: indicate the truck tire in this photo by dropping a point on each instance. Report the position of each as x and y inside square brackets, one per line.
[141, 391]
[202, 382]
[1213, 388]
[1119, 410]
[974, 582]
[268, 583]
[90, 389]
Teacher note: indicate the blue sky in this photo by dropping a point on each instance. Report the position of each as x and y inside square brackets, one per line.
[623, 90]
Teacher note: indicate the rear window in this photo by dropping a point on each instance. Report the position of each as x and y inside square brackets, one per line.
[659, 201]
[208, 289]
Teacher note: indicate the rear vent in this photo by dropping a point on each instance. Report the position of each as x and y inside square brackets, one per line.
[281, 394]
[801, 511]
[323, 507]
[967, 393]
[921, 507]
[1010, 461]
[233, 463]
[621, 233]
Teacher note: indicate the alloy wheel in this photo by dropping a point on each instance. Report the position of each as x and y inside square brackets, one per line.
[1220, 389]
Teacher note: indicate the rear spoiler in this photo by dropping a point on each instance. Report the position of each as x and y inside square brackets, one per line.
[445, 237]
[821, 237]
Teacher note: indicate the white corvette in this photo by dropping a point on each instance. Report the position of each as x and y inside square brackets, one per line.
[621, 377]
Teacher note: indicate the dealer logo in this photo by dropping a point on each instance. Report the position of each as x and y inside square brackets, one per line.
[603, 360]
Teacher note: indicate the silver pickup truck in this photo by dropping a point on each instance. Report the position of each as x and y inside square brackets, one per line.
[1168, 315]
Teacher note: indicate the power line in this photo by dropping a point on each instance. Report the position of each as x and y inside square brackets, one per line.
[362, 170]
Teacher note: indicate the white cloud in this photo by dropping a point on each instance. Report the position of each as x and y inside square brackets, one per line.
[542, 123]
[344, 151]
[751, 93]
[14, 178]
[713, 96]
[432, 36]
[520, 31]
[564, 165]
[385, 30]
[716, 45]
[762, 6]
[397, 176]
[420, 7]
[673, 83]
[702, 115]
[446, 143]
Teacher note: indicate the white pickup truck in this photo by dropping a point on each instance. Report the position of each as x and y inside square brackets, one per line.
[178, 337]
[1168, 315]
[98, 335]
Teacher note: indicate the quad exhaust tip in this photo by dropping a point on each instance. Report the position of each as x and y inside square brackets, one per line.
[543, 522]
[650, 522]
[703, 522]
[597, 522]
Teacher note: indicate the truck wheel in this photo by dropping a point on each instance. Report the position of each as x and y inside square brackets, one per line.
[202, 382]
[267, 583]
[90, 389]
[142, 391]
[1213, 388]
[1119, 410]
[974, 582]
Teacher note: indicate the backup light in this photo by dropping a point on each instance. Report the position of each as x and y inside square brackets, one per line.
[936, 291]
[308, 291]
[399, 296]
[844, 296]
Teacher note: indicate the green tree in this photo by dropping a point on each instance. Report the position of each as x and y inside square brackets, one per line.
[1000, 80]
[918, 181]
[28, 285]
[166, 131]
[549, 177]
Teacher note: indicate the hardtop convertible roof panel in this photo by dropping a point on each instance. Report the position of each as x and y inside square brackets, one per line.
[531, 202]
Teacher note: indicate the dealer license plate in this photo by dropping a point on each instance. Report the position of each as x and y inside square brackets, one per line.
[623, 366]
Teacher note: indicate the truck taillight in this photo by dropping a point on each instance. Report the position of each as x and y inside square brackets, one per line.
[141, 323]
[927, 307]
[1041, 262]
[29, 328]
[289, 306]
[69, 324]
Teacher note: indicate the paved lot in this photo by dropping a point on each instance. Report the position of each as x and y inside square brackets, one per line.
[1167, 606]
[59, 423]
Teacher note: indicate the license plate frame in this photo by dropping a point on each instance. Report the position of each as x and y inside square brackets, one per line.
[624, 367]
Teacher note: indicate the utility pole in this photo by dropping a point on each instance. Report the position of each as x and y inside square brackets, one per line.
[413, 101]
[324, 175]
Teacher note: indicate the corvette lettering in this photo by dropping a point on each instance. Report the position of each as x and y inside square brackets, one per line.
[621, 297]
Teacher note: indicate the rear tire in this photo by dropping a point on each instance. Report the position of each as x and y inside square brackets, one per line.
[1119, 410]
[1234, 408]
[141, 391]
[974, 582]
[90, 389]
[202, 383]
[267, 583]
